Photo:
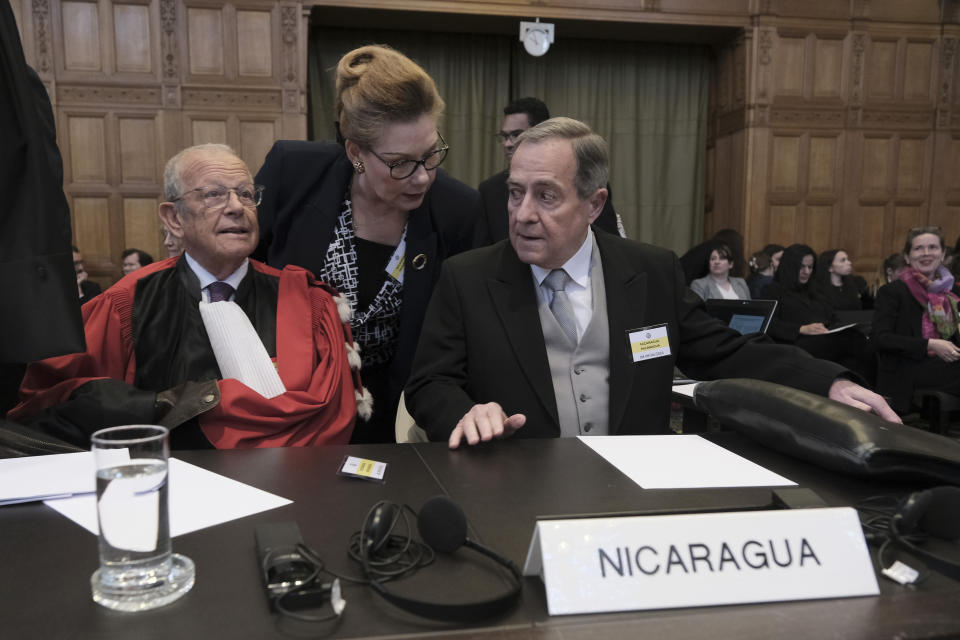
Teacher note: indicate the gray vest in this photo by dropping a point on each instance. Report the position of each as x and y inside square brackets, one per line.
[581, 376]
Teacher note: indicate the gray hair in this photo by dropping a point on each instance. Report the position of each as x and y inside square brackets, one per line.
[589, 149]
[172, 178]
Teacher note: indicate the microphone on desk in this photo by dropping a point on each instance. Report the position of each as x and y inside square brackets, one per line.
[442, 526]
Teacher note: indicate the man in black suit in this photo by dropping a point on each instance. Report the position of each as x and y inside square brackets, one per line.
[493, 359]
[518, 116]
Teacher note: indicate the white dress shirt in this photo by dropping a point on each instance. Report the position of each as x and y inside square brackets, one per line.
[206, 278]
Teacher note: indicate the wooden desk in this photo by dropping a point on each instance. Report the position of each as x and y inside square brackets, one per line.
[47, 560]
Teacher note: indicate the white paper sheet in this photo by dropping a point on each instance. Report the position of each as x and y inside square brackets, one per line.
[40, 477]
[686, 389]
[680, 462]
[198, 499]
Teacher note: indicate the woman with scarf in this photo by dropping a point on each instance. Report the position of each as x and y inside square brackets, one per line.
[915, 323]
[804, 317]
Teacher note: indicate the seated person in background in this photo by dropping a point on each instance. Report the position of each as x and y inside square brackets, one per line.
[172, 243]
[532, 337]
[888, 271]
[804, 317]
[915, 323]
[374, 216]
[133, 259]
[87, 289]
[518, 116]
[695, 262]
[763, 265]
[149, 358]
[837, 285]
[719, 283]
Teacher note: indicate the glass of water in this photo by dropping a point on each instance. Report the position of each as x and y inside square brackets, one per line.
[137, 569]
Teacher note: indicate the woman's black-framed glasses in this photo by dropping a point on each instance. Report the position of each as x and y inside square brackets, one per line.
[403, 169]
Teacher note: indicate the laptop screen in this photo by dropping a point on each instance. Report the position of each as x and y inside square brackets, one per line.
[744, 316]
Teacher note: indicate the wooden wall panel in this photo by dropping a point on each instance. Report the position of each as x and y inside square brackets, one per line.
[918, 68]
[139, 162]
[866, 242]
[911, 175]
[790, 66]
[785, 176]
[206, 38]
[81, 36]
[208, 130]
[254, 27]
[782, 224]
[882, 70]
[818, 227]
[140, 226]
[132, 37]
[875, 179]
[828, 68]
[256, 138]
[88, 149]
[92, 228]
[824, 167]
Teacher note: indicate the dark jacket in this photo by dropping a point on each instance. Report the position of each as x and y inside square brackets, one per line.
[482, 342]
[898, 333]
[305, 186]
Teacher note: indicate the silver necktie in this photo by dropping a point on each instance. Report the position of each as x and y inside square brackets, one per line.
[561, 307]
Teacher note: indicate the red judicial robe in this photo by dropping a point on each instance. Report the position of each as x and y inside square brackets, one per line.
[146, 331]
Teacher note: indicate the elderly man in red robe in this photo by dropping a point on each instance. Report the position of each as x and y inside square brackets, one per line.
[224, 350]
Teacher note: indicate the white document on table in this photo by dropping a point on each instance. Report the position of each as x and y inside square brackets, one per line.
[198, 499]
[681, 462]
[42, 477]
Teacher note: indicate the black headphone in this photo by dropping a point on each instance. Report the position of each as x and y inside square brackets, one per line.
[443, 526]
[935, 512]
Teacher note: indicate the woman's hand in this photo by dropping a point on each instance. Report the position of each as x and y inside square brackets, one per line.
[813, 329]
[943, 349]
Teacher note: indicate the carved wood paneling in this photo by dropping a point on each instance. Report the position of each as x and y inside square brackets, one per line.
[92, 228]
[88, 149]
[133, 35]
[254, 27]
[204, 130]
[80, 27]
[918, 71]
[256, 138]
[206, 41]
[790, 64]
[882, 70]
[785, 176]
[140, 226]
[828, 68]
[824, 167]
[139, 162]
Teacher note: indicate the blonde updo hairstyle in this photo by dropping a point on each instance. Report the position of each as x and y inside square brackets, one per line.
[377, 85]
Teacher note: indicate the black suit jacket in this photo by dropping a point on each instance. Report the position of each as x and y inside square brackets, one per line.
[305, 186]
[494, 224]
[482, 342]
[897, 330]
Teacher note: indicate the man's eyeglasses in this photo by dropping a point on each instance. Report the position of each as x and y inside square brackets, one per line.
[216, 196]
[402, 169]
[509, 135]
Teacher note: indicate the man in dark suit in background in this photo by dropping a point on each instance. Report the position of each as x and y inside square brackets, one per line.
[518, 116]
[566, 330]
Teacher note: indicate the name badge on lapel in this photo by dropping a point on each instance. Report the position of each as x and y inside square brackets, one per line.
[649, 342]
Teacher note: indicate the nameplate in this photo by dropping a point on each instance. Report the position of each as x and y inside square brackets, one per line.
[592, 565]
